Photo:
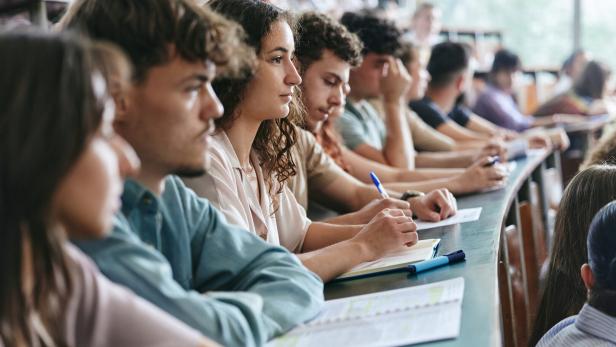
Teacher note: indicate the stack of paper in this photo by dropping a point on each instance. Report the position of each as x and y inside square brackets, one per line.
[398, 317]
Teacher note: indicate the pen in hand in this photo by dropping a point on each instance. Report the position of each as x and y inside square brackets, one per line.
[378, 185]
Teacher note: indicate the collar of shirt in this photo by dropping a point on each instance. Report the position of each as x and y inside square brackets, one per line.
[596, 323]
[135, 195]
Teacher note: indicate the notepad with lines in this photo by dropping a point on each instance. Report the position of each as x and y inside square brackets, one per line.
[422, 250]
[397, 317]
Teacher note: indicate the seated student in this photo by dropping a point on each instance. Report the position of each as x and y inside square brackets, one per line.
[497, 103]
[584, 98]
[434, 148]
[424, 30]
[325, 66]
[168, 245]
[251, 158]
[571, 69]
[324, 52]
[383, 138]
[594, 324]
[564, 292]
[450, 76]
[50, 293]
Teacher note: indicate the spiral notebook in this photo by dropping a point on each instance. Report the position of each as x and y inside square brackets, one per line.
[398, 317]
[422, 250]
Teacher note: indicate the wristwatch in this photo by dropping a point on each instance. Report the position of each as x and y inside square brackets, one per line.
[411, 194]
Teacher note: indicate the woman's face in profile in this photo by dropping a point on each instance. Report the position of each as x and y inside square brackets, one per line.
[89, 194]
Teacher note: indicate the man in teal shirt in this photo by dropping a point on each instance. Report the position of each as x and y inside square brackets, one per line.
[168, 245]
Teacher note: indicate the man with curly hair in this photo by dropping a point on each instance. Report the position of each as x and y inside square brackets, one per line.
[168, 245]
[326, 51]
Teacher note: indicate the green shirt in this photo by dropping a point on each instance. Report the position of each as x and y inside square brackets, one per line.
[178, 252]
[360, 123]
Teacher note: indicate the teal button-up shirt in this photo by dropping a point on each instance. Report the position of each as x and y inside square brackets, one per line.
[178, 252]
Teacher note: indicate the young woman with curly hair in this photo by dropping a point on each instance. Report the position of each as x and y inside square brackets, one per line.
[251, 159]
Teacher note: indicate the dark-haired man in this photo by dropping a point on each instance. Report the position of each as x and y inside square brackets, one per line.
[450, 77]
[168, 245]
[380, 74]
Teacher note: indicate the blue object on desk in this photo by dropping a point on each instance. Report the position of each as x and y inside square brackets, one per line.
[378, 185]
[442, 260]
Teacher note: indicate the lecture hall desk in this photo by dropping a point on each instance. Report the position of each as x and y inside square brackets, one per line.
[481, 323]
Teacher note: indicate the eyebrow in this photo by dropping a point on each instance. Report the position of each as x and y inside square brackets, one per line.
[201, 77]
[281, 49]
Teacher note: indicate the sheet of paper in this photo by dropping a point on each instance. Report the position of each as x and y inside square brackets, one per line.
[398, 317]
[462, 216]
[422, 250]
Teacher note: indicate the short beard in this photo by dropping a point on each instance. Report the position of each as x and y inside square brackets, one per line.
[189, 172]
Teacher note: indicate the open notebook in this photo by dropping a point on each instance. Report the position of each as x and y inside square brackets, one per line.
[405, 316]
[422, 250]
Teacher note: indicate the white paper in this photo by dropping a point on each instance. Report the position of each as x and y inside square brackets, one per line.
[398, 317]
[462, 216]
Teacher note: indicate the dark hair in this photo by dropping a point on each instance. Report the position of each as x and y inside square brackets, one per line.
[317, 32]
[378, 35]
[564, 293]
[447, 60]
[276, 137]
[569, 62]
[505, 60]
[591, 82]
[602, 259]
[49, 112]
[146, 30]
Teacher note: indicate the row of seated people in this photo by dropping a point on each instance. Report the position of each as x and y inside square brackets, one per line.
[206, 267]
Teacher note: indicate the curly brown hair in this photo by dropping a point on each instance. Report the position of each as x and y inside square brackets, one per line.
[317, 32]
[145, 30]
[276, 137]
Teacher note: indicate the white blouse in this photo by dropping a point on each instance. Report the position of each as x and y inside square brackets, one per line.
[231, 189]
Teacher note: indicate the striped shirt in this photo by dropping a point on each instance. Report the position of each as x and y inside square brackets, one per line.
[590, 327]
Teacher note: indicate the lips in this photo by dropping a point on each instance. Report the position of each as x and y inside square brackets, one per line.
[323, 113]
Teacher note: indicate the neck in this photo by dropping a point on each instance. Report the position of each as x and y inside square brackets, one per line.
[242, 134]
[444, 99]
[151, 178]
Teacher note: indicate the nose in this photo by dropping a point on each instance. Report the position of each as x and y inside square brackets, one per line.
[337, 96]
[211, 107]
[128, 161]
[292, 77]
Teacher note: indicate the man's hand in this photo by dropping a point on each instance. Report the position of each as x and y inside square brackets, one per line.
[396, 82]
[434, 206]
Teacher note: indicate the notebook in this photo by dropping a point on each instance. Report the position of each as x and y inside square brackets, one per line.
[422, 250]
[398, 317]
[462, 216]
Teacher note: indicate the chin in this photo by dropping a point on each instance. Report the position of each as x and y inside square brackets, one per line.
[190, 171]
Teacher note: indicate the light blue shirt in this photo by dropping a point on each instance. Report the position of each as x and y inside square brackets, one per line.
[590, 327]
[360, 123]
[178, 252]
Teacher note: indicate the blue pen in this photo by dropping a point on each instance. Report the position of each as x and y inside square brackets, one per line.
[378, 185]
[442, 260]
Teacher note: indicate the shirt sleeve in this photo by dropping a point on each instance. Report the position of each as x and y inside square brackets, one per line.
[429, 115]
[490, 109]
[461, 115]
[350, 129]
[291, 217]
[243, 291]
[101, 313]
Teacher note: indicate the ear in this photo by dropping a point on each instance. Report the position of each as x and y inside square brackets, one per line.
[121, 97]
[587, 276]
[459, 82]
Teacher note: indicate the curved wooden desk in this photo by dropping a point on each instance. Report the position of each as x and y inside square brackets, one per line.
[481, 240]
